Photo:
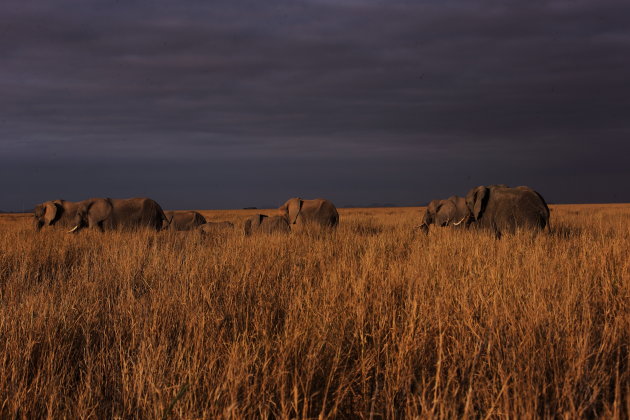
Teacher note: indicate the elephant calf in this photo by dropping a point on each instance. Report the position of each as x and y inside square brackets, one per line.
[183, 220]
[503, 209]
[261, 223]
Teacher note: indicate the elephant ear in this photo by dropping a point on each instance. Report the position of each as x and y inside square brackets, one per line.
[295, 207]
[436, 212]
[476, 200]
[100, 209]
[432, 208]
[51, 211]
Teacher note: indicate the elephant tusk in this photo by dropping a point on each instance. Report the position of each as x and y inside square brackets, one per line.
[73, 229]
[456, 224]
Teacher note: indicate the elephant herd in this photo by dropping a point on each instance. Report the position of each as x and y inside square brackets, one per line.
[113, 214]
[497, 208]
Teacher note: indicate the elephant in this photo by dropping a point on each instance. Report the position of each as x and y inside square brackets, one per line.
[299, 213]
[183, 220]
[111, 214]
[212, 227]
[261, 223]
[450, 212]
[55, 213]
[504, 209]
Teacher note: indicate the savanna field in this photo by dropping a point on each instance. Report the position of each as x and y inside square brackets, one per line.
[374, 320]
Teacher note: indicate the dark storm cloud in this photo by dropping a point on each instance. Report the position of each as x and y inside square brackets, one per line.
[539, 84]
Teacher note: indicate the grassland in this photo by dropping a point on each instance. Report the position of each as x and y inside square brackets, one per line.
[373, 321]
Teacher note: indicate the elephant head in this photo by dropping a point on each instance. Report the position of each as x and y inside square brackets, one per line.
[449, 212]
[46, 214]
[429, 215]
[51, 213]
[91, 213]
[431, 212]
[291, 210]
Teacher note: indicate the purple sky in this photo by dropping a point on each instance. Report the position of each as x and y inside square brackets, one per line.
[226, 104]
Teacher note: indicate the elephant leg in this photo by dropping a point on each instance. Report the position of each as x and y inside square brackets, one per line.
[96, 224]
[496, 231]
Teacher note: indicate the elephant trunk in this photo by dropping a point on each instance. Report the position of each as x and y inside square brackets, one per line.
[427, 219]
[424, 228]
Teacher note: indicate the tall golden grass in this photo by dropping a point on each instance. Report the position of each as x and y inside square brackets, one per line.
[373, 321]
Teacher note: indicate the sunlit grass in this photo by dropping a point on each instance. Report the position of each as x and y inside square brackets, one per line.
[373, 319]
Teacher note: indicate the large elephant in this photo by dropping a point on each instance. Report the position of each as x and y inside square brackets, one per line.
[183, 220]
[55, 213]
[318, 212]
[261, 223]
[111, 214]
[450, 212]
[503, 209]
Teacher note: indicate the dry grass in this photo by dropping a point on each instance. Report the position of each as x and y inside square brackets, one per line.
[371, 321]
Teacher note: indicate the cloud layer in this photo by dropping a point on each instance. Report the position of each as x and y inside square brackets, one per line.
[540, 83]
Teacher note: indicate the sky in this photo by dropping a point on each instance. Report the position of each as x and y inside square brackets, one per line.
[230, 104]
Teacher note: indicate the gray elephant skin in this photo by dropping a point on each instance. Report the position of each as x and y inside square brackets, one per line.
[504, 209]
[452, 211]
[119, 214]
[183, 220]
[59, 213]
[261, 223]
[317, 212]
